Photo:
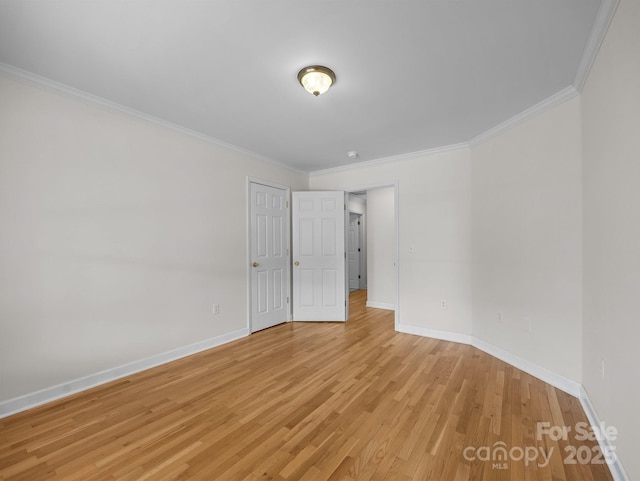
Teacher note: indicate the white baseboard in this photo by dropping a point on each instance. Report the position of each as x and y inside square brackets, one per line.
[567, 385]
[381, 305]
[550, 377]
[544, 374]
[28, 401]
[617, 470]
[434, 333]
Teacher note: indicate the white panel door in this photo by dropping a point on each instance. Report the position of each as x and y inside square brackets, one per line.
[353, 251]
[269, 256]
[319, 290]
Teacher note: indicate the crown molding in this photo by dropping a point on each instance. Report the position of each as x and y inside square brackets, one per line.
[598, 32]
[550, 102]
[556, 99]
[392, 159]
[43, 83]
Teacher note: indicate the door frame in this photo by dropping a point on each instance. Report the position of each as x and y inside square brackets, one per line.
[396, 226]
[287, 189]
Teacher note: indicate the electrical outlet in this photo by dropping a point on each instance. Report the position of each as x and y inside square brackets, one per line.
[443, 304]
[216, 309]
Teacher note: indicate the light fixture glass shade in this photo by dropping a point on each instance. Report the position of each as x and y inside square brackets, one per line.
[316, 79]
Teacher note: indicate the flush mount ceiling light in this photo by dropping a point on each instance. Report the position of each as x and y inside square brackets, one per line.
[316, 79]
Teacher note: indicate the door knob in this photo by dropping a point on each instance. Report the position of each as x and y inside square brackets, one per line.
[296, 263]
[255, 264]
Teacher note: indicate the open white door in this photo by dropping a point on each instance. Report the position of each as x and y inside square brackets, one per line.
[269, 257]
[319, 256]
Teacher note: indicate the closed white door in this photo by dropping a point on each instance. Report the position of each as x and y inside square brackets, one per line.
[269, 256]
[353, 251]
[319, 290]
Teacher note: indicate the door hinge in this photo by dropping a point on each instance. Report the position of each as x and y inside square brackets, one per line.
[345, 206]
[358, 222]
[359, 277]
[287, 300]
[286, 204]
[358, 249]
[345, 255]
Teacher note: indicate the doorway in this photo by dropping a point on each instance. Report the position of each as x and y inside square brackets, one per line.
[376, 208]
[275, 285]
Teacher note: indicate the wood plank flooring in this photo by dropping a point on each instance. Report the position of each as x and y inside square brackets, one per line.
[307, 402]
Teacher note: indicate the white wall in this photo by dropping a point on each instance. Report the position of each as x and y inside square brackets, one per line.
[513, 205]
[527, 240]
[382, 283]
[117, 237]
[611, 151]
[434, 234]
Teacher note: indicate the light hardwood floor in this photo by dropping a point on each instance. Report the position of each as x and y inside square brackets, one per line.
[305, 401]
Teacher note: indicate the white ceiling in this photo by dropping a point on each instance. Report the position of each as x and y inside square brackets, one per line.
[412, 75]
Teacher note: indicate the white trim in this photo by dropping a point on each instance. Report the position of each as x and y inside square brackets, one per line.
[556, 99]
[381, 305]
[34, 80]
[598, 32]
[28, 401]
[435, 334]
[602, 21]
[544, 374]
[396, 226]
[550, 102]
[616, 468]
[550, 377]
[390, 160]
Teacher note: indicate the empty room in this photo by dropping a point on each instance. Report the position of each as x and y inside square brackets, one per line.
[248, 240]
